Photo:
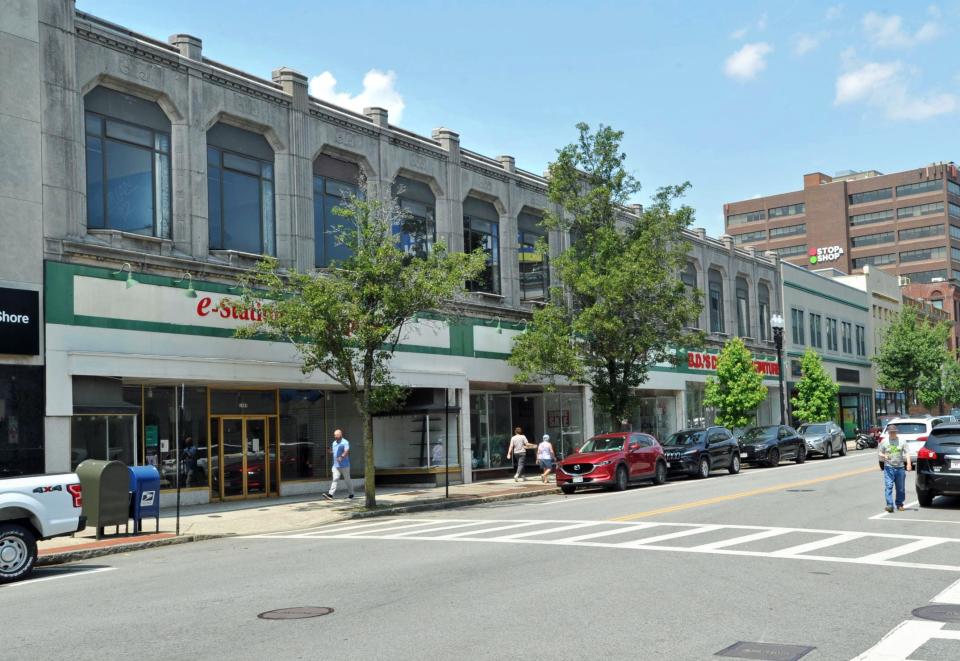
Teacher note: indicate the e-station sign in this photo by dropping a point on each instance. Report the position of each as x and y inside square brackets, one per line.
[828, 254]
[19, 322]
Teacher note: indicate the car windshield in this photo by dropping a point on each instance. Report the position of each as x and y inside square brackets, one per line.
[759, 434]
[603, 444]
[813, 429]
[910, 427]
[684, 438]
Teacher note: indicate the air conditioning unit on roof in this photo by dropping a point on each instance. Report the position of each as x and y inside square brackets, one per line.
[903, 280]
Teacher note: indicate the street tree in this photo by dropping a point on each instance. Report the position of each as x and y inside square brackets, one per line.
[942, 387]
[620, 307]
[738, 389]
[912, 352]
[816, 399]
[346, 321]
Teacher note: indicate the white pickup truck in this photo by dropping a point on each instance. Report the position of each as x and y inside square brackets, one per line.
[34, 508]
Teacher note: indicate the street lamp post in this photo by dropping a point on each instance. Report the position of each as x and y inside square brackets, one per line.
[776, 323]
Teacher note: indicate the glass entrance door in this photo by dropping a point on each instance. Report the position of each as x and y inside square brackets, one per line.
[246, 457]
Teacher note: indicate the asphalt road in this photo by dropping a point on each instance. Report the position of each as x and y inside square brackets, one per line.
[798, 555]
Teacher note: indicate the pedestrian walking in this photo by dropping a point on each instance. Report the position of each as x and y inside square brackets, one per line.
[519, 446]
[341, 465]
[546, 457]
[894, 458]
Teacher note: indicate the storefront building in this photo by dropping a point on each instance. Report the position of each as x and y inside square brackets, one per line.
[833, 319]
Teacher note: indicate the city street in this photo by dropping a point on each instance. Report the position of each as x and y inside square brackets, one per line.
[800, 555]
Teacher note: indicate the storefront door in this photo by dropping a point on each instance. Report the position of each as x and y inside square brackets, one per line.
[247, 458]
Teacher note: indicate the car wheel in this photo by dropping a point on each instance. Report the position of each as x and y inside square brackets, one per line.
[734, 467]
[660, 473]
[704, 470]
[568, 488]
[925, 498]
[18, 552]
[828, 450]
[622, 479]
[843, 447]
[774, 458]
[801, 454]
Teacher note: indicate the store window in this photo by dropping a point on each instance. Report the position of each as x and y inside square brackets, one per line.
[716, 301]
[190, 453]
[564, 422]
[303, 435]
[21, 420]
[743, 307]
[417, 230]
[481, 231]
[656, 415]
[128, 164]
[698, 415]
[240, 191]
[490, 430]
[422, 433]
[534, 265]
[334, 182]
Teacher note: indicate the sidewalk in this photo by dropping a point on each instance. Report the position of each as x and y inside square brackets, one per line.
[251, 517]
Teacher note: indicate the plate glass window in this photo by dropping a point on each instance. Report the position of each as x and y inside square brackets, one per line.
[716, 301]
[128, 164]
[417, 229]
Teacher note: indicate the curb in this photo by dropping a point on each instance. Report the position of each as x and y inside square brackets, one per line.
[86, 554]
[389, 510]
[448, 504]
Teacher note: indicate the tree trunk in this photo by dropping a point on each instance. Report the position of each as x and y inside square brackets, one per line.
[369, 473]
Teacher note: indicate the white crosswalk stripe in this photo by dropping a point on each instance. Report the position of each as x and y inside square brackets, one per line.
[649, 536]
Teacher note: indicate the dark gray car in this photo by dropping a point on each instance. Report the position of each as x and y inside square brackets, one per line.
[823, 438]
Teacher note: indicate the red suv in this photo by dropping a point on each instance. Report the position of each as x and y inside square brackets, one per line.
[613, 460]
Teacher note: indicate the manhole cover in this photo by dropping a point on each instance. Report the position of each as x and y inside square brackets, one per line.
[297, 613]
[765, 651]
[939, 612]
[800, 490]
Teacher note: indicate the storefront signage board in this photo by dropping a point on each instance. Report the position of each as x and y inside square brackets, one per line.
[19, 322]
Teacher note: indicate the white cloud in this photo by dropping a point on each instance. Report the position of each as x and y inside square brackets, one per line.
[834, 12]
[378, 91]
[747, 62]
[888, 31]
[885, 87]
[805, 43]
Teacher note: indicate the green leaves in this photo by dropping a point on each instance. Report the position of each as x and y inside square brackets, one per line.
[911, 356]
[621, 307]
[738, 388]
[816, 399]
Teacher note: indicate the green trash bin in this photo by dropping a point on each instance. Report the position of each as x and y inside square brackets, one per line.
[106, 493]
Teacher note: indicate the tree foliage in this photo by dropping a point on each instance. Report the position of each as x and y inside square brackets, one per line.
[620, 307]
[346, 321]
[912, 353]
[738, 389]
[816, 399]
[933, 391]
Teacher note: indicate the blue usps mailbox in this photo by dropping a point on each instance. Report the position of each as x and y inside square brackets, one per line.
[145, 495]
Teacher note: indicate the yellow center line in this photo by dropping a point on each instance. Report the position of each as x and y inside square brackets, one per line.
[741, 494]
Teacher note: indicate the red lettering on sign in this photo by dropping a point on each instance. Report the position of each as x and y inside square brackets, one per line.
[202, 306]
[708, 361]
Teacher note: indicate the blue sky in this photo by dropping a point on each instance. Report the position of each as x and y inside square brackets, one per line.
[739, 98]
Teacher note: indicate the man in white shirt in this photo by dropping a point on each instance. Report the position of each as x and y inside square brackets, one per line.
[519, 446]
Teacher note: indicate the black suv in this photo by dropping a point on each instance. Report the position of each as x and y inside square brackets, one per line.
[697, 451]
[938, 464]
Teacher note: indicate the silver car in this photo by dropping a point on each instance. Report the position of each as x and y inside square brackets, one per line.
[825, 438]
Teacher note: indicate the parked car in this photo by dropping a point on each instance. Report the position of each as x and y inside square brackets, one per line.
[613, 460]
[696, 452]
[768, 445]
[34, 508]
[824, 438]
[913, 432]
[938, 464]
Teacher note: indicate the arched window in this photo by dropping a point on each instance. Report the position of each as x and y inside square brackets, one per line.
[763, 307]
[128, 164]
[481, 229]
[534, 266]
[743, 307]
[715, 295]
[240, 191]
[334, 181]
[418, 230]
[936, 299]
[689, 276]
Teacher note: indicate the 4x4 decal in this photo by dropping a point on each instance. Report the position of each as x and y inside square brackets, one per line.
[55, 487]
